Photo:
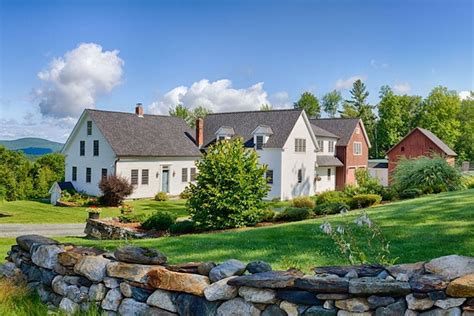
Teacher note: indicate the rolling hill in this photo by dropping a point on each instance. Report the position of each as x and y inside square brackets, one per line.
[32, 146]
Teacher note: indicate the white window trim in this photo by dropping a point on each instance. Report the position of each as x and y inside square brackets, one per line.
[354, 149]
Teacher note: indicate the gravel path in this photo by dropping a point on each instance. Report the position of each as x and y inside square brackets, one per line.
[14, 230]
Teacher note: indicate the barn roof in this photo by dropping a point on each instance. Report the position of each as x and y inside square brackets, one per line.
[438, 142]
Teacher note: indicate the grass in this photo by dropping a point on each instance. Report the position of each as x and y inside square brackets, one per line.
[16, 300]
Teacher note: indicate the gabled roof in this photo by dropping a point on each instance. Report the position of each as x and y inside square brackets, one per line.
[318, 131]
[226, 130]
[281, 122]
[328, 161]
[438, 142]
[149, 135]
[64, 186]
[342, 127]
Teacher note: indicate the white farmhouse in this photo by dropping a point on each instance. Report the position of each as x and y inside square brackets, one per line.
[155, 153]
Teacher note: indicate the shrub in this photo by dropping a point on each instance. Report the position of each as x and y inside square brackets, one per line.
[366, 184]
[292, 214]
[182, 227]
[161, 220]
[469, 182]
[350, 190]
[230, 183]
[365, 200]
[389, 194]
[410, 193]
[330, 208]
[430, 175]
[133, 218]
[161, 196]
[114, 190]
[331, 197]
[303, 201]
[257, 216]
[186, 194]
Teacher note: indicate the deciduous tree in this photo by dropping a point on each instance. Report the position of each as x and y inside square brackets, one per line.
[331, 102]
[309, 103]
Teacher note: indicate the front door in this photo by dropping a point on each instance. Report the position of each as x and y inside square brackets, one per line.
[165, 180]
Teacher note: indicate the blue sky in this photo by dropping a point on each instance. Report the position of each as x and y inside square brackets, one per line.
[227, 55]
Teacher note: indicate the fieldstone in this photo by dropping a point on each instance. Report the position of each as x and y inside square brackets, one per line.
[58, 285]
[33, 274]
[271, 279]
[237, 307]
[409, 269]
[379, 301]
[347, 313]
[437, 295]
[70, 257]
[323, 284]
[333, 296]
[92, 267]
[155, 311]
[455, 311]
[77, 294]
[43, 293]
[47, 276]
[140, 294]
[355, 304]
[71, 279]
[427, 283]
[130, 307]
[462, 287]
[378, 286]
[290, 308]
[451, 267]
[329, 304]
[402, 277]
[112, 300]
[26, 241]
[394, 309]
[205, 268]
[192, 305]
[383, 275]
[256, 295]
[351, 274]
[273, 310]
[409, 312]
[126, 289]
[140, 255]
[46, 256]
[97, 292]
[364, 270]
[226, 269]
[220, 290]
[111, 283]
[163, 299]
[319, 311]
[449, 303]
[161, 278]
[68, 306]
[418, 304]
[130, 272]
[298, 297]
[258, 267]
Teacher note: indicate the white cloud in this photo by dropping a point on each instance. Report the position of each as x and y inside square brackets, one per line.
[378, 65]
[280, 100]
[464, 95]
[219, 96]
[402, 88]
[344, 84]
[73, 82]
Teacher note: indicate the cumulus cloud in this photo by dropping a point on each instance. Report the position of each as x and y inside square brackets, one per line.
[464, 95]
[218, 96]
[73, 82]
[344, 84]
[402, 88]
[281, 100]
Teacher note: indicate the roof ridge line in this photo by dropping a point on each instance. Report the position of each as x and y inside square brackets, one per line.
[253, 111]
[130, 113]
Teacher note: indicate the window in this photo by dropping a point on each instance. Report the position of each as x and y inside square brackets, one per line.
[329, 173]
[221, 138]
[269, 176]
[331, 146]
[82, 148]
[104, 174]
[300, 145]
[88, 175]
[96, 148]
[145, 176]
[193, 174]
[134, 177]
[74, 173]
[357, 148]
[402, 149]
[259, 141]
[89, 127]
[184, 175]
[321, 145]
[300, 175]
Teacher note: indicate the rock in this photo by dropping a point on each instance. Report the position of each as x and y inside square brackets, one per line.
[205, 268]
[45, 256]
[456, 311]
[126, 289]
[290, 308]
[47, 276]
[346, 313]
[462, 287]
[163, 299]
[226, 269]
[77, 294]
[258, 267]
[71, 256]
[97, 292]
[409, 269]
[437, 295]
[164, 279]
[26, 241]
[449, 303]
[237, 307]
[58, 285]
[319, 311]
[68, 306]
[329, 304]
[323, 284]
[383, 275]
[92, 267]
[351, 274]
[130, 307]
[451, 267]
[324, 296]
[378, 286]
[140, 255]
[402, 277]
[427, 283]
[380, 301]
[418, 304]
[189, 267]
[112, 300]
[409, 312]
[393, 309]
[140, 294]
[256, 295]
[298, 297]
[220, 290]
[154, 311]
[43, 293]
[33, 274]
[271, 279]
[111, 283]
[273, 310]
[362, 270]
[130, 272]
[355, 304]
[192, 305]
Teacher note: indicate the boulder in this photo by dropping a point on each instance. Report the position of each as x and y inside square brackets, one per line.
[273, 310]
[111, 283]
[205, 268]
[69, 307]
[290, 309]
[130, 272]
[271, 279]
[462, 287]
[58, 285]
[161, 278]
[355, 304]
[220, 290]
[419, 304]
[163, 299]
[71, 256]
[377, 286]
[256, 295]
[130, 307]
[112, 300]
[140, 255]
[237, 307]
[449, 303]
[319, 311]
[455, 311]
[427, 283]
[26, 241]
[192, 305]
[380, 301]
[394, 309]
[299, 297]
[92, 267]
[323, 284]
[45, 256]
[364, 270]
[258, 267]
[227, 269]
[409, 269]
[97, 292]
[451, 267]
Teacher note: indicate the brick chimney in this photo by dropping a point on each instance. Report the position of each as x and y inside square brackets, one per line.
[139, 109]
[199, 132]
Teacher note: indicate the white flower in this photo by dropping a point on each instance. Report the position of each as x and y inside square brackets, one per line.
[326, 228]
[340, 229]
[363, 220]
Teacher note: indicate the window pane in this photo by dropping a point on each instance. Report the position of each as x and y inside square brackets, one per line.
[270, 176]
[74, 173]
[300, 175]
[184, 175]
[89, 127]
[134, 176]
[259, 142]
[104, 173]
[145, 176]
[96, 148]
[193, 174]
[88, 175]
[329, 173]
[82, 148]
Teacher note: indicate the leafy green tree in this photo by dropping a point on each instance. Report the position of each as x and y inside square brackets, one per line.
[15, 181]
[348, 110]
[465, 144]
[230, 185]
[190, 116]
[266, 107]
[331, 102]
[180, 111]
[309, 103]
[199, 112]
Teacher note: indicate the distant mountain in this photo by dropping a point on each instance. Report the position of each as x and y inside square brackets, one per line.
[32, 146]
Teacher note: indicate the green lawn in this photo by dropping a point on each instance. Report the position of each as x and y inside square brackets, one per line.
[418, 229]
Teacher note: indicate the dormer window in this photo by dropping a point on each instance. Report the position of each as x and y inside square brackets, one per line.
[259, 142]
[224, 132]
[261, 135]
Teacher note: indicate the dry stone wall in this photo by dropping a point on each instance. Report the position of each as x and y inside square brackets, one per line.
[138, 281]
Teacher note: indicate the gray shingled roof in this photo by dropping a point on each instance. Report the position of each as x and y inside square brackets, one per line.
[318, 131]
[342, 127]
[328, 161]
[438, 142]
[150, 135]
[244, 123]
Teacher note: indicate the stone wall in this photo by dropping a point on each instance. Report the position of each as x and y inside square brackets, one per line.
[138, 281]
